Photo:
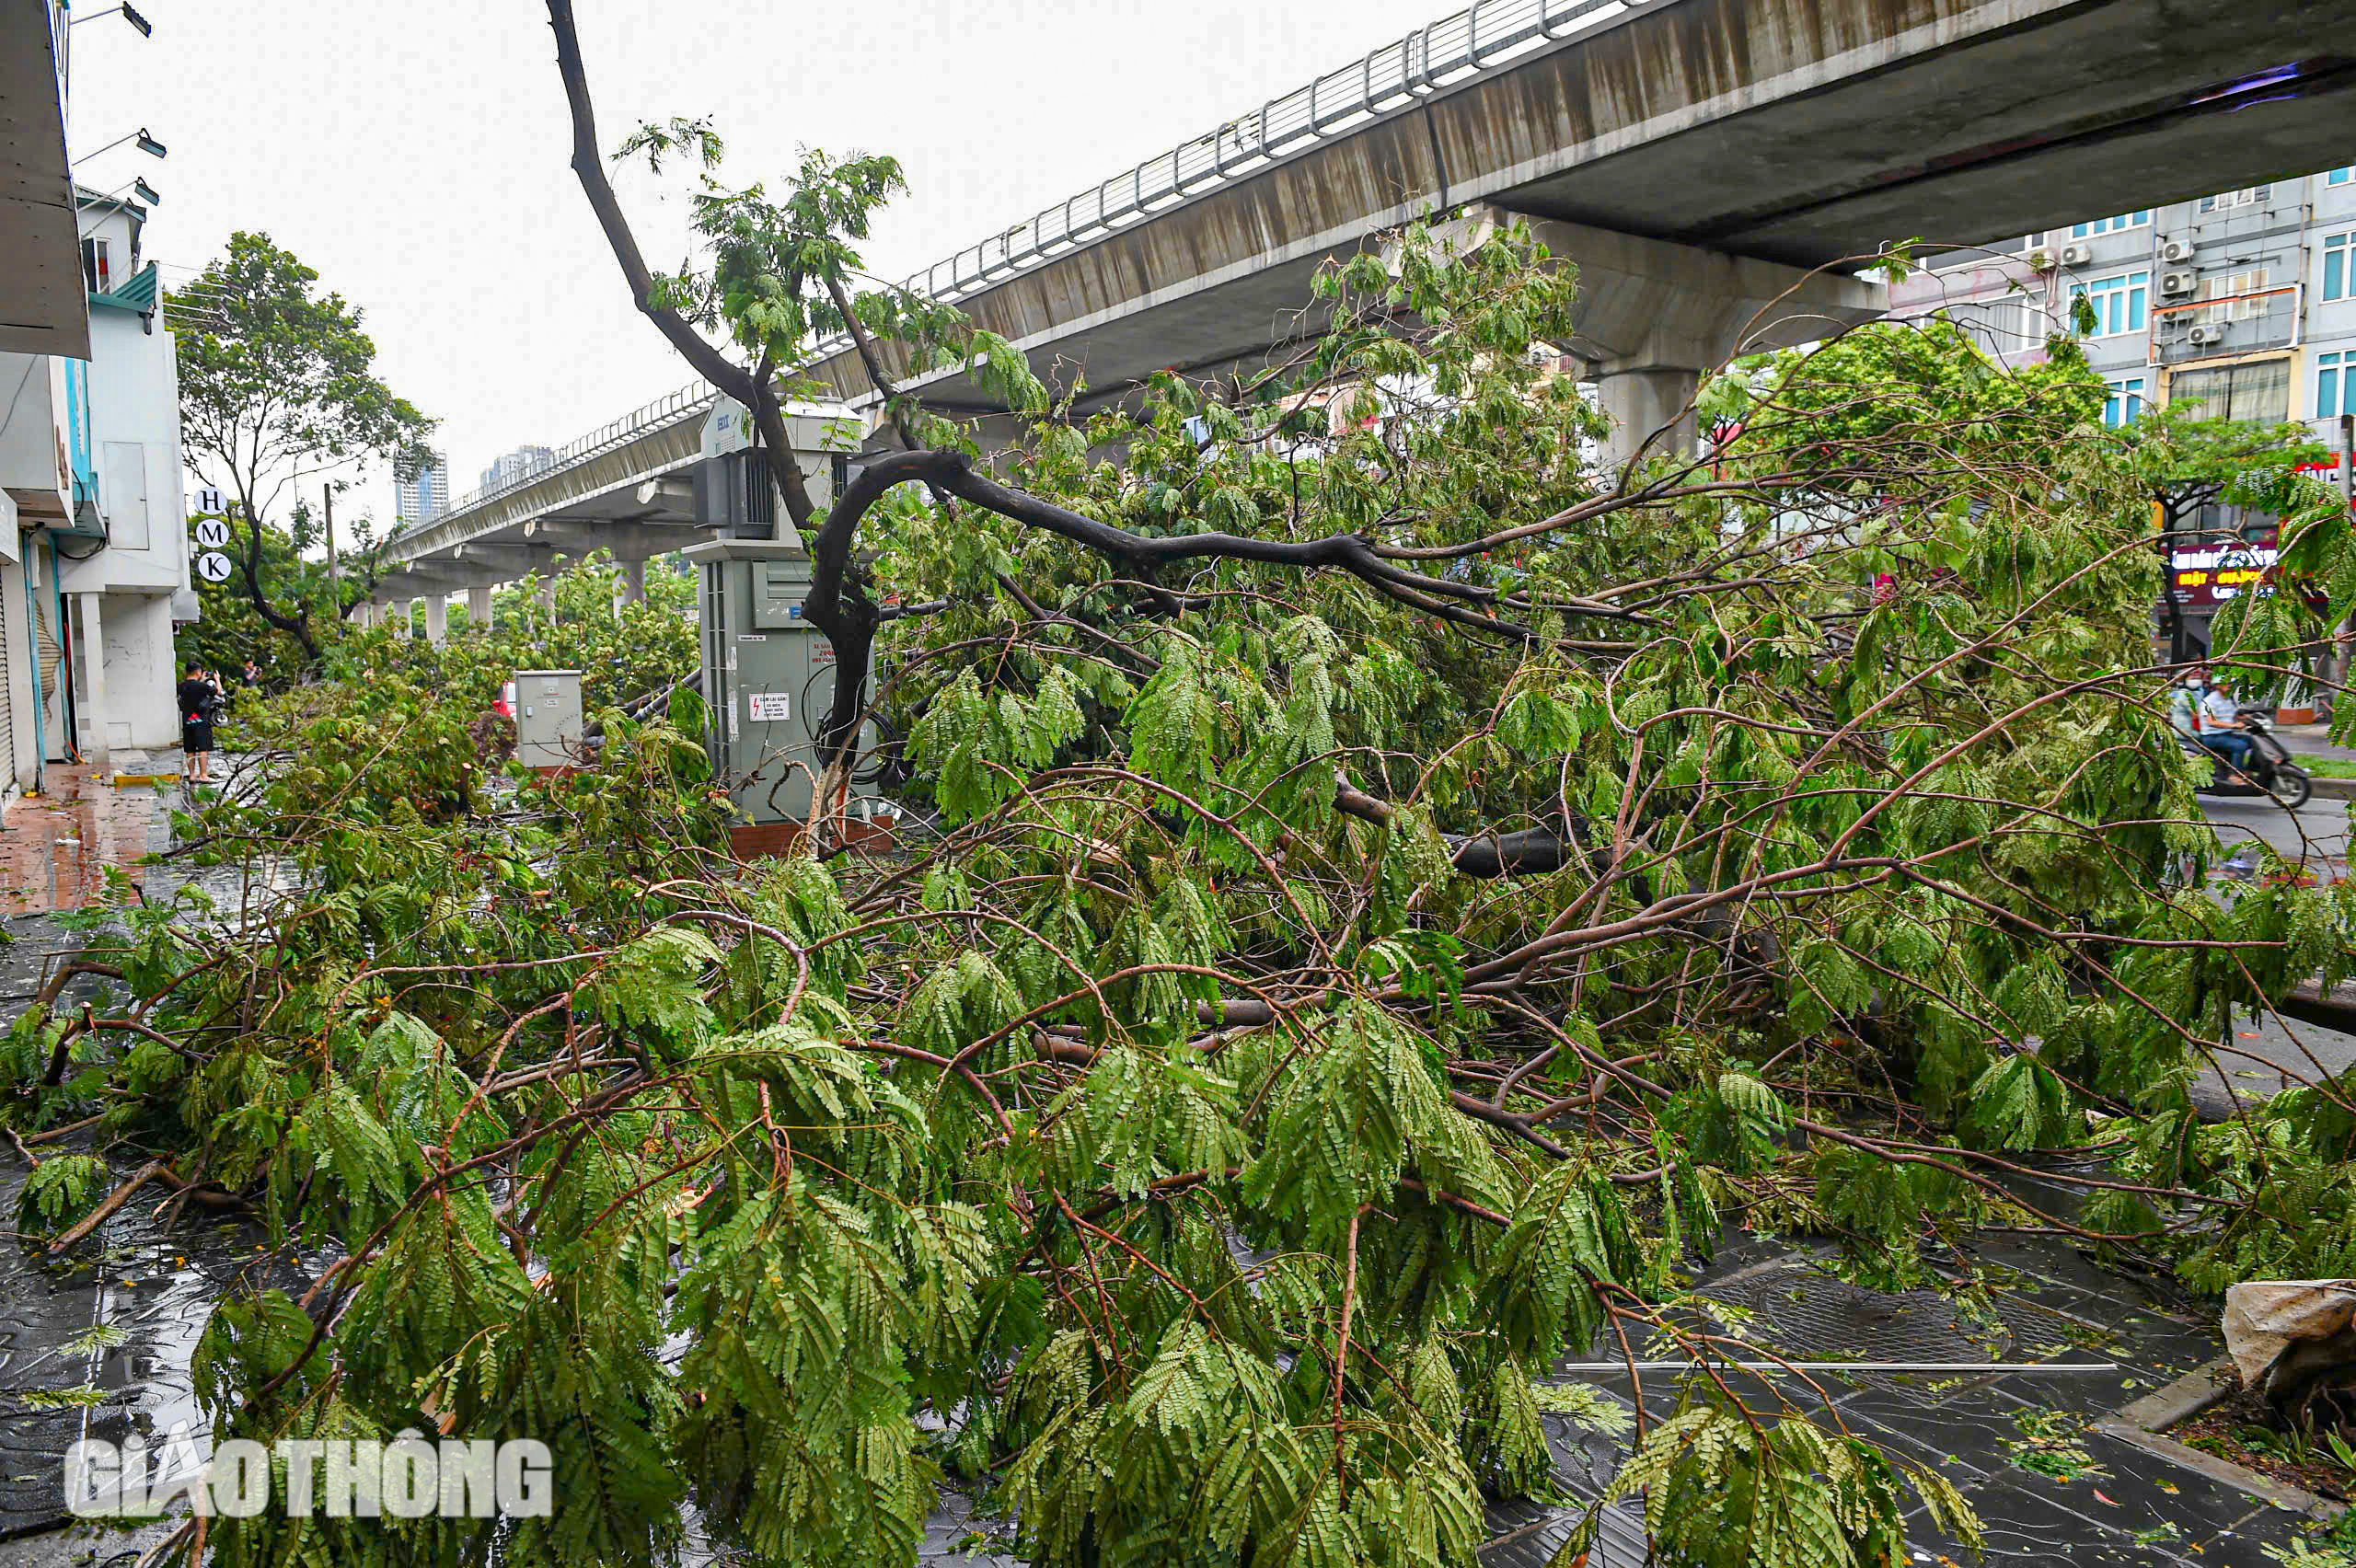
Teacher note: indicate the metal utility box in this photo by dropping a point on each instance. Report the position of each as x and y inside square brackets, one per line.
[769, 678]
[735, 495]
[548, 718]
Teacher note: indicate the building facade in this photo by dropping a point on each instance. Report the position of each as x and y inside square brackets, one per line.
[2242, 302]
[127, 593]
[426, 496]
[516, 467]
[93, 520]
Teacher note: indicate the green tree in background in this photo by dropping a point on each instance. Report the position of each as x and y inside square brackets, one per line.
[232, 628]
[624, 651]
[278, 384]
[2188, 462]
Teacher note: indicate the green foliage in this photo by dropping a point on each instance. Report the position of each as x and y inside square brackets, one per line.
[62, 1189]
[1320, 983]
[1723, 1491]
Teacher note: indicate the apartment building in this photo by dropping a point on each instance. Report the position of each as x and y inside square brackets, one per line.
[515, 466]
[426, 494]
[2243, 302]
[93, 520]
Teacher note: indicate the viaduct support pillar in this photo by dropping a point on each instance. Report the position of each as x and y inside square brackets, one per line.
[633, 582]
[402, 622]
[438, 620]
[1640, 402]
[478, 609]
[1654, 317]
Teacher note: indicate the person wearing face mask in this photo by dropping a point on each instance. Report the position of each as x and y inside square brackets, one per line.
[2217, 720]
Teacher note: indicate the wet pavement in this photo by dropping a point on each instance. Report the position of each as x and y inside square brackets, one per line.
[56, 848]
[2313, 740]
[2316, 835]
[2050, 1308]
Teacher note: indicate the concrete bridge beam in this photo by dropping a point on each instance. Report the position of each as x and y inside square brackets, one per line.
[501, 562]
[578, 537]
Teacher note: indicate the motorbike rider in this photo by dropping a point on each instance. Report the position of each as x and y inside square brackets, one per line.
[2212, 718]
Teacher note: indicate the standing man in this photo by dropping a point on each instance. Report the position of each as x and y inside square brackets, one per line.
[200, 701]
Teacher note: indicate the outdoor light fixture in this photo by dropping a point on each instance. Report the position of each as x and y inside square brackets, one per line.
[146, 28]
[146, 193]
[145, 143]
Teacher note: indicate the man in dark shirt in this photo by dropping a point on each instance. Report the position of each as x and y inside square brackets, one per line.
[199, 700]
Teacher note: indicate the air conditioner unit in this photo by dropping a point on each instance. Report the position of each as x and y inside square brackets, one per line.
[2040, 260]
[2206, 333]
[2176, 251]
[2179, 283]
[2077, 254]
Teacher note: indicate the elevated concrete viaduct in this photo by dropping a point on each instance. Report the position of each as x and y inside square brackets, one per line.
[1695, 157]
[1797, 132]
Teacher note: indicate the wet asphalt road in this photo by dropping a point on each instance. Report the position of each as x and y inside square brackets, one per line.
[2316, 834]
[2269, 1054]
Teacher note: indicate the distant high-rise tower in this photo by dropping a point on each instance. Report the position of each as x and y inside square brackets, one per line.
[426, 497]
[518, 465]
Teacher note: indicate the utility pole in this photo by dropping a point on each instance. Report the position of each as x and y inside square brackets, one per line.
[2348, 459]
[335, 584]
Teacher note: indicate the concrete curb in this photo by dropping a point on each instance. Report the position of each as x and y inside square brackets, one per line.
[2143, 1424]
[2335, 789]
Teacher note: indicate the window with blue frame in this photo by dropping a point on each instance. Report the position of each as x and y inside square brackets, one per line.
[2247, 196]
[2118, 302]
[2333, 393]
[2124, 404]
[2337, 248]
[2110, 226]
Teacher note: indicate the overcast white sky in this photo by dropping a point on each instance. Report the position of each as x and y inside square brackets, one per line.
[414, 151]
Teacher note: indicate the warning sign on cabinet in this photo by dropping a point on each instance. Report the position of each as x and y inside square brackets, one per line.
[768, 707]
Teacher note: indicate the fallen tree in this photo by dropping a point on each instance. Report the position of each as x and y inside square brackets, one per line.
[1399, 891]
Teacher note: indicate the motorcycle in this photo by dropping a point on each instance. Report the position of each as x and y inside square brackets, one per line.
[2270, 772]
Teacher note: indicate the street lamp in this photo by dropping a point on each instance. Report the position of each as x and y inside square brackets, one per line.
[145, 143]
[146, 28]
[146, 193]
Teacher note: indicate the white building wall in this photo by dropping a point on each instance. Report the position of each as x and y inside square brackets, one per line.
[135, 400]
[136, 448]
[141, 706]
